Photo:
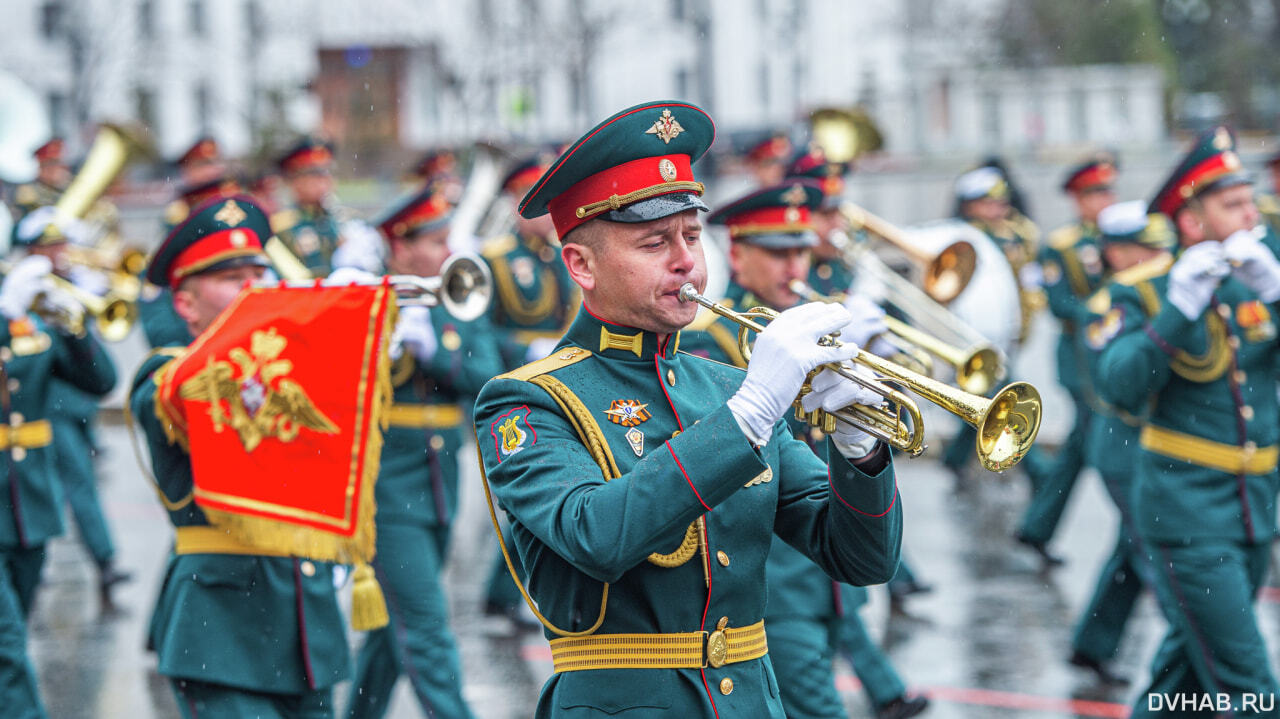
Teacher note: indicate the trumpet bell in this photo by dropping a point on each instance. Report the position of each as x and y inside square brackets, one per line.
[949, 273]
[466, 287]
[1008, 426]
[115, 318]
[980, 371]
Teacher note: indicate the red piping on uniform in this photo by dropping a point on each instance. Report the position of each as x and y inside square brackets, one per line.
[1242, 431]
[686, 476]
[608, 322]
[888, 509]
[706, 542]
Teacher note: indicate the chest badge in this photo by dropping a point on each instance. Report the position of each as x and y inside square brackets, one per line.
[635, 438]
[627, 412]
[1255, 322]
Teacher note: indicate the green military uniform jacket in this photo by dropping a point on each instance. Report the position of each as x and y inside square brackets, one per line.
[1213, 379]
[688, 486]
[311, 233]
[1072, 264]
[264, 624]
[534, 296]
[32, 196]
[418, 477]
[30, 360]
[830, 277]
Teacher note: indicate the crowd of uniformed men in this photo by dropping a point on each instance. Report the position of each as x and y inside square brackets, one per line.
[691, 547]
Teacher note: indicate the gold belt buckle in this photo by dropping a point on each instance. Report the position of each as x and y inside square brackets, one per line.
[716, 649]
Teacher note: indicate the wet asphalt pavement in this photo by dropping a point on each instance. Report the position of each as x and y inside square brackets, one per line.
[990, 641]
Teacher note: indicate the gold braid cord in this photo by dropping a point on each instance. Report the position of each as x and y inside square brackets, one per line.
[514, 303]
[1214, 362]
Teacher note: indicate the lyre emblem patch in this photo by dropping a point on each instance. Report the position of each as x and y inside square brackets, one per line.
[511, 432]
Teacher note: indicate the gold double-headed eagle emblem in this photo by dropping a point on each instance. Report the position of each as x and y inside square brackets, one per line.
[252, 401]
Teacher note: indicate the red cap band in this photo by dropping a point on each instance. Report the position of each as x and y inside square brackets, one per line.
[212, 249]
[620, 186]
[1199, 176]
[769, 220]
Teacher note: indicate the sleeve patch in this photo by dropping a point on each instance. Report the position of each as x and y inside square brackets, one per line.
[1100, 332]
[512, 432]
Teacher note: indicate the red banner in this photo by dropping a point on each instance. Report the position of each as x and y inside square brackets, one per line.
[281, 403]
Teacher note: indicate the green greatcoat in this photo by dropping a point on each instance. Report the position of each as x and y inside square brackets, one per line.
[830, 277]
[311, 234]
[686, 459]
[1208, 530]
[533, 296]
[30, 497]
[231, 629]
[815, 617]
[417, 494]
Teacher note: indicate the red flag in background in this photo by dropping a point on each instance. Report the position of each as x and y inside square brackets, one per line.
[281, 403]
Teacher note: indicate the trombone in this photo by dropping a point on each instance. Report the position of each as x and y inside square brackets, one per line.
[464, 287]
[1007, 424]
[945, 275]
[923, 336]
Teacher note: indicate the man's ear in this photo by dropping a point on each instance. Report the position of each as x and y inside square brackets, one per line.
[736, 259]
[1190, 224]
[184, 301]
[580, 261]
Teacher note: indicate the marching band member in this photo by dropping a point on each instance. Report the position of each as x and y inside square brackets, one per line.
[645, 536]
[52, 177]
[1196, 343]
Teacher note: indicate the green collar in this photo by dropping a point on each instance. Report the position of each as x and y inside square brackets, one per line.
[615, 341]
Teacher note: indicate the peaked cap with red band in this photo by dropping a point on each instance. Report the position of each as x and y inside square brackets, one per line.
[775, 217]
[526, 173]
[425, 210]
[634, 167]
[199, 192]
[813, 164]
[775, 148]
[311, 154]
[436, 163]
[50, 151]
[202, 151]
[1210, 165]
[1096, 173]
[222, 233]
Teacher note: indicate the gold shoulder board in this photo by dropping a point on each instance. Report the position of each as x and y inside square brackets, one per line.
[1099, 302]
[284, 220]
[1148, 270]
[498, 246]
[1064, 238]
[559, 359]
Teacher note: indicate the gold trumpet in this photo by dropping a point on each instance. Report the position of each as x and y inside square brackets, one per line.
[945, 275]
[114, 316]
[1007, 424]
[977, 365]
[464, 287]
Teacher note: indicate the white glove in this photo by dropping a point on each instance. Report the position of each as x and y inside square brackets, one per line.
[1195, 276]
[540, 347]
[1253, 264]
[350, 275]
[832, 392]
[783, 355]
[414, 332]
[361, 247]
[20, 287]
[867, 320]
[1031, 276]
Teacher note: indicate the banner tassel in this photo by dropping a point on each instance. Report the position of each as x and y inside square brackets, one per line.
[368, 605]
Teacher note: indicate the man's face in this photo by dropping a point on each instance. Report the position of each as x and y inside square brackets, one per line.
[825, 222]
[1092, 201]
[986, 209]
[767, 273]
[1124, 255]
[768, 172]
[1214, 216]
[631, 274]
[311, 188]
[202, 172]
[422, 255]
[201, 298]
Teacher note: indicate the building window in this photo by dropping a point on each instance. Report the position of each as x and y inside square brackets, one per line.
[762, 78]
[146, 20]
[51, 19]
[679, 10]
[991, 119]
[145, 108]
[197, 18]
[682, 82]
[204, 108]
[253, 20]
[1079, 114]
[58, 119]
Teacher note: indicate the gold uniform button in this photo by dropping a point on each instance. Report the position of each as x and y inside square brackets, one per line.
[16, 418]
[14, 385]
[722, 624]
[1233, 342]
[437, 442]
[19, 454]
[1240, 376]
[671, 377]
[308, 569]
[1224, 312]
[722, 558]
[1247, 412]
[726, 686]
[6, 354]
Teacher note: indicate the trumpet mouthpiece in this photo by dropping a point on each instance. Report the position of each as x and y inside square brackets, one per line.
[688, 292]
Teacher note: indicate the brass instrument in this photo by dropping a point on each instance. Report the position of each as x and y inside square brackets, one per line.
[113, 315]
[107, 157]
[1007, 424]
[907, 354]
[944, 275]
[464, 287]
[122, 270]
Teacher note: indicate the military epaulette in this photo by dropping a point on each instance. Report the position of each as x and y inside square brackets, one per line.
[498, 246]
[153, 361]
[706, 318]
[1099, 302]
[1064, 238]
[1151, 269]
[1025, 227]
[26, 195]
[1268, 204]
[284, 220]
[559, 359]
